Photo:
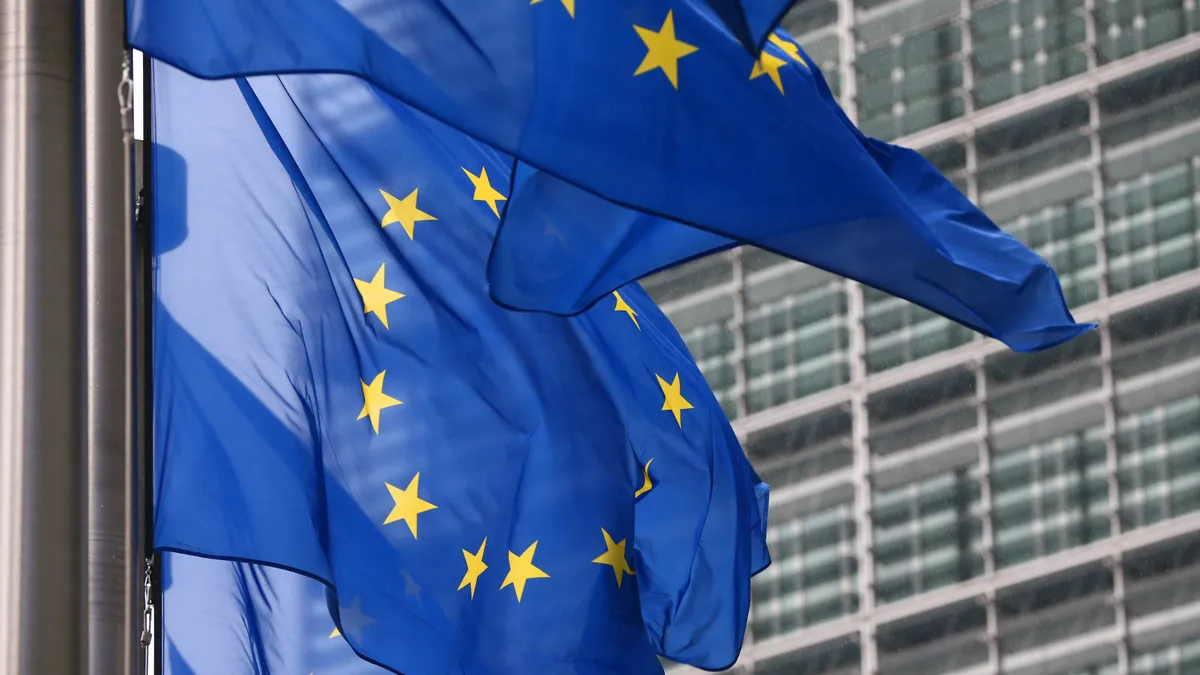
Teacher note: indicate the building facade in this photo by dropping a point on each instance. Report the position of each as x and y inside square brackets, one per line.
[940, 504]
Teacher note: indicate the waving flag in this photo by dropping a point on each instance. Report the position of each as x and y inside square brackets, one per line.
[561, 248]
[651, 104]
[481, 490]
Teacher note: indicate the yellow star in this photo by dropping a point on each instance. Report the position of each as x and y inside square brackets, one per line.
[374, 400]
[769, 65]
[408, 504]
[789, 48]
[376, 296]
[614, 556]
[522, 569]
[663, 50]
[623, 306]
[475, 567]
[335, 633]
[404, 211]
[646, 484]
[569, 4]
[672, 399]
[484, 192]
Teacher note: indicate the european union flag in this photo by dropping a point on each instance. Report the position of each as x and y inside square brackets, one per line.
[561, 248]
[652, 104]
[483, 491]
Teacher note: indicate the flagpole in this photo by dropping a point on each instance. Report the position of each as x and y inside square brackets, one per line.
[42, 508]
[114, 554]
[144, 358]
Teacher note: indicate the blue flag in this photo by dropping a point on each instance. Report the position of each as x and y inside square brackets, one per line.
[483, 491]
[651, 104]
[559, 251]
[238, 618]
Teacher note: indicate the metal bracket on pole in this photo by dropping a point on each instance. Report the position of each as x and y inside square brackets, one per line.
[148, 613]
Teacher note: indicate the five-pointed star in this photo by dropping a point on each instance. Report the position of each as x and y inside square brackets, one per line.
[376, 296]
[484, 192]
[408, 504]
[647, 485]
[672, 399]
[335, 633]
[404, 211]
[623, 306]
[354, 620]
[475, 567]
[522, 569]
[614, 556]
[663, 50]
[569, 4]
[374, 400]
[768, 64]
[789, 48]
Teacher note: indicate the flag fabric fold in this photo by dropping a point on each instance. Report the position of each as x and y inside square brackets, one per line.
[655, 106]
[561, 248]
[650, 104]
[481, 490]
[236, 618]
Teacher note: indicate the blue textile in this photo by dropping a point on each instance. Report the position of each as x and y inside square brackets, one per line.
[561, 248]
[484, 491]
[651, 104]
[238, 618]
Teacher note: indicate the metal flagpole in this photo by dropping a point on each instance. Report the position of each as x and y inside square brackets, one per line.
[114, 554]
[42, 511]
[152, 573]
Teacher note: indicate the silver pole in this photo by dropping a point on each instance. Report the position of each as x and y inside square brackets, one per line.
[41, 377]
[114, 558]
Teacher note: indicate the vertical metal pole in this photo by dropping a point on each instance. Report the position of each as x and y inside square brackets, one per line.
[114, 557]
[42, 512]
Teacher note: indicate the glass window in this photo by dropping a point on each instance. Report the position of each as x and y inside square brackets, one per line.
[1125, 27]
[1149, 103]
[1108, 667]
[1152, 227]
[838, 657]
[1159, 460]
[1020, 382]
[797, 345]
[923, 411]
[813, 574]
[946, 640]
[1052, 610]
[1042, 141]
[1158, 337]
[803, 448]
[1182, 657]
[1050, 497]
[1162, 579]
[899, 332]
[1022, 45]
[911, 83]
[927, 534]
